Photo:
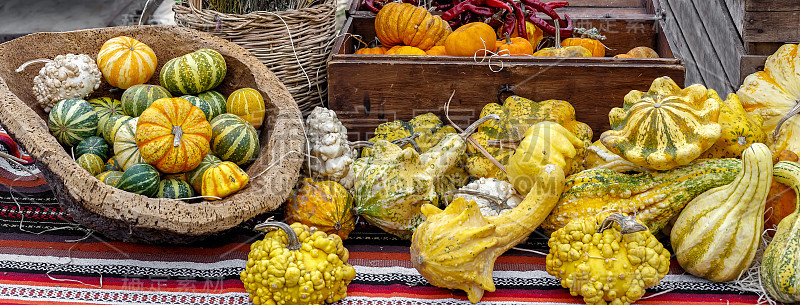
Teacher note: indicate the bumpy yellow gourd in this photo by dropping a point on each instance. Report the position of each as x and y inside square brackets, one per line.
[717, 234]
[739, 129]
[664, 127]
[456, 247]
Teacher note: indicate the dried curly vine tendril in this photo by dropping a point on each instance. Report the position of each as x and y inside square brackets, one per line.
[33, 61]
[628, 224]
[795, 110]
[294, 242]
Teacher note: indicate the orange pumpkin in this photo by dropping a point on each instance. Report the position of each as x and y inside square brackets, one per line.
[471, 39]
[173, 135]
[781, 200]
[535, 34]
[516, 46]
[125, 62]
[371, 51]
[406, 24]
[639, 52]
[437, 50]
[405, 50]
[593, 45]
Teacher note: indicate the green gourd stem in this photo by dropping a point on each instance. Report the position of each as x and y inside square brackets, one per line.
[627, 224]
[33, 61]
[795, 110]
[177, 132]
[294, 243]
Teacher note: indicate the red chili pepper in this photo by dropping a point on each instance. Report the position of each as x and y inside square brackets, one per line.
[542, 7]
[444, 7]
[519, 17]
[551, 29]
[557, 4]
[414, 2]
[469, 5]
[370, 4]
[479, 10]
[508, 25]
[499, 4]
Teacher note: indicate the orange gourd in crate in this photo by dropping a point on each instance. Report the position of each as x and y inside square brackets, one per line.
[516, 46]
[471, 39]
[405, 50]
[406, 24]
[371, 51]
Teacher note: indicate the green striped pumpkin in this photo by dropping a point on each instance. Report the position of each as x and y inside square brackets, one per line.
[234, 139]
[92, 145]
[195, 176]
[112, 125]
[199, 71]
[72, 120]
[212, 103]
[112, 165]
[91, 163]
[105, 108]
[174, 188]
[780, 268]
[140, 178]
[110, 177]
[138, 97]
[125, 149]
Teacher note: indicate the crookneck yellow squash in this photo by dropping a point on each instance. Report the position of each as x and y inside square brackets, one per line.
[780, 267]
[664, 127]
[717, 234]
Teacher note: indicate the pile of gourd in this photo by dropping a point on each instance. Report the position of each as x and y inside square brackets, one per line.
[681, 162]
[406, 29]
[149, 142]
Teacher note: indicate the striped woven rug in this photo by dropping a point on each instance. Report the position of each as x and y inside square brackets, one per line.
[45, 258]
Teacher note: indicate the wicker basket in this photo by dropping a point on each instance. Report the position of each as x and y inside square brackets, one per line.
[300, 63]
[131, 217]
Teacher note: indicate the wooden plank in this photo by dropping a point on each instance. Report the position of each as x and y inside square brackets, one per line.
[771, 26]
[678, 44]
[725, 40]
[699, 43]
[762, 48]
[736, 10]
[772, 5]
[751, 64]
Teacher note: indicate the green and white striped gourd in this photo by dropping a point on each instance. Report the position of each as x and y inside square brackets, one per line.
[780, 267]
[174, 188]
[93, 145]
[112, 165]
[234, 139]
[91, 163]
[212, 103]
[140, 178]
[125, 149]
[138, 97]
[199, 71]
[72, 120]
[195, 176]
[717, 234]
[105, 108]
[112, 125]
[110, 177]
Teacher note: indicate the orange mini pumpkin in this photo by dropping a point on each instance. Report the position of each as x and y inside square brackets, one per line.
[173, 135]
[371, 51]
[516, 46]
[125, 62]
[405, 50]
[406, 24]
[437, 50]
[589, 39]
[471, 39]
[535, 34]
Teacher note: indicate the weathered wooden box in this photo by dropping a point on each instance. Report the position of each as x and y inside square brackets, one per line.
[366, 90]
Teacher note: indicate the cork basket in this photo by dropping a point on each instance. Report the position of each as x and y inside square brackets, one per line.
[130, 217]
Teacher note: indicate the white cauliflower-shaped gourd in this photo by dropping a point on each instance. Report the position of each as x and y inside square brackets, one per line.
[493, 196]
[332, 153]
[64, 77]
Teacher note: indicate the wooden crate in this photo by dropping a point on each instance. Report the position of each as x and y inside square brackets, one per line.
[367, 90]
[724, 41]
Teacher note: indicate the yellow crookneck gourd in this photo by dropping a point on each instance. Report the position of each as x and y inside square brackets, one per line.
[717, 234]
[456, 247]
[664, 127]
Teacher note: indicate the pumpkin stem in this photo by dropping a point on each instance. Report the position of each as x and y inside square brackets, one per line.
[294, 242]
[177, 131]
[496, 203]
[795, 110]
[33, 61]
[592, 33]
[558, 34]
[628, 224]
[508, 38]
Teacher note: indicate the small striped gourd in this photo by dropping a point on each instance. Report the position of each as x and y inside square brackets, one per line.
[110, 177]
[105, 108]
[140, 178]
[112, 125]
[223, 179]
[72, 120]
[195, 176]
[92, 145]
[193, 73]
[173, 135]
[112, 165]
[248, 104]
[780, 267]
[138, 98]
[174, 188]
[655, 197]
[125, 62]
[91, 163]
[125, 149]
[234, 139]
[325, 205]
[212, 103]
[717, 234]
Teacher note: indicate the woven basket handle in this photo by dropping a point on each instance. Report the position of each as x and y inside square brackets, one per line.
[196, 4]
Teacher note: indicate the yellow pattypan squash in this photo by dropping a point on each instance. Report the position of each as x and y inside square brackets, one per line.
[223, 179]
